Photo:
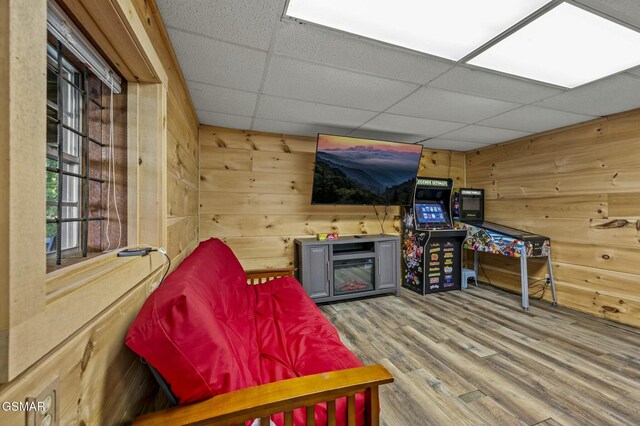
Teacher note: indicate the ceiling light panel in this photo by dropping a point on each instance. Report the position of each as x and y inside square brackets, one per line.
[567, 46]
[450, 29]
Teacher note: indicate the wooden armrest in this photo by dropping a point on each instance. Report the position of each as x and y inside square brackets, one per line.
[264, 400]
[257, 276]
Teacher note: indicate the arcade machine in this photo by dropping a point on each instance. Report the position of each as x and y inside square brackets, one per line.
[431, 247]
[489, 237]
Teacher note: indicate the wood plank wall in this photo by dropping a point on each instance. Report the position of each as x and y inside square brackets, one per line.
[581, 187]
[182, 142]
[101, 382]
[255, 193]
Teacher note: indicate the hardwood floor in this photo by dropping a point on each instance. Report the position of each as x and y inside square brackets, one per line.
[474, 357]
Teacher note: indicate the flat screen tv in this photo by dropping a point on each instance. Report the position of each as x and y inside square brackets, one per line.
[364, 171]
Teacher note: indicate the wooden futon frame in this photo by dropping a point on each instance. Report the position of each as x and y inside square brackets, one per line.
[234, 408]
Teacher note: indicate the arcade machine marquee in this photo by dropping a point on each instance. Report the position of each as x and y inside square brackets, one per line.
[489, 237]
[431, 246]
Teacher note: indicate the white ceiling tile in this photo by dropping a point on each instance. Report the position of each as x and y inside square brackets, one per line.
[295, 79]
[445, 105]
[607, 96]
[453, 145]
[222, 64]
[416, 126]
[223, 120]
[220, 99]
[282, 109]
[624, 10]
[299, 129]
[482, 134]
[319, 45]
[386, 136]
[481, 83]
[341, 81]
[246, 22]
[534, 119]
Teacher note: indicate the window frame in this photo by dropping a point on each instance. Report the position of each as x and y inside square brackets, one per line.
[68, 159]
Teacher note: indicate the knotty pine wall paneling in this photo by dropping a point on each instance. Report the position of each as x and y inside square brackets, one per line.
[581, 187]
[182, 142]
[101, 382]
[255, 194]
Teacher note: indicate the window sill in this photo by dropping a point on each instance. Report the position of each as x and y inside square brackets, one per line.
[103, 267]
[68, 261]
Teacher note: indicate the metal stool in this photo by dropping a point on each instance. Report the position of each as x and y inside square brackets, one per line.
[466, 274]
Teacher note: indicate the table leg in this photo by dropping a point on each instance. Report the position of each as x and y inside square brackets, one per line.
[552, 281]
[475, 262]
[524, 279]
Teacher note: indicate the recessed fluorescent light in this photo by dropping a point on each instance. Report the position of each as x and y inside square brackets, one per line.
[450, 29]
[567, 46]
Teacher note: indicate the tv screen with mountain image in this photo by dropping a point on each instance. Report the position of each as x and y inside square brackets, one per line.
[363, 171]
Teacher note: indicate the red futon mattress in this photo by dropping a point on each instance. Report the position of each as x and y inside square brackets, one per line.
[207, 332]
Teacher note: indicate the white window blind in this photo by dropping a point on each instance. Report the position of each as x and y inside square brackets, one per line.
[64, 30]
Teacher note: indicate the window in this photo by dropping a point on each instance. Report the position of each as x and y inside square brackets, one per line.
[85, 161]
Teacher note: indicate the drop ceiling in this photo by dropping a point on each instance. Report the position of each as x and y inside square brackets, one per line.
[248, 68]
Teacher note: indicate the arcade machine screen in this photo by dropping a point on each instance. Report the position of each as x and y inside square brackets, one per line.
[431, 215]
[471, 203]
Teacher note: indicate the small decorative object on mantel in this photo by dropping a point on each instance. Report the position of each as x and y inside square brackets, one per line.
[325, 236]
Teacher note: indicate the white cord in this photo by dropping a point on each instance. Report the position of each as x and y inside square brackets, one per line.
[111, 166]
[114, 165]
[106, 231]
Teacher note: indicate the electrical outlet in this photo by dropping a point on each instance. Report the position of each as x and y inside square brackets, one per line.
[47, 406]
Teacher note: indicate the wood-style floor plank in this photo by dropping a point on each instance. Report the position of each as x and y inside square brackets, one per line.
[474, 357]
